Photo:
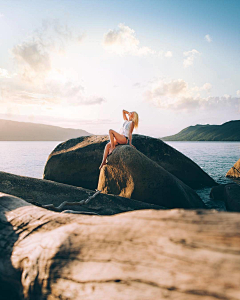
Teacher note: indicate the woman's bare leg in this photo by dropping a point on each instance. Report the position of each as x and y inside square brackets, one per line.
[121, 139]
[105, 153]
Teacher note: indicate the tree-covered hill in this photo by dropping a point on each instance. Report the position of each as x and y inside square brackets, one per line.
[229, 131]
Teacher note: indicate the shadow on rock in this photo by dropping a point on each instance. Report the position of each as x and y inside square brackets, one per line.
[10, 287]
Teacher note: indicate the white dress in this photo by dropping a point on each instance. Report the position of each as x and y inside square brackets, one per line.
[125, 129]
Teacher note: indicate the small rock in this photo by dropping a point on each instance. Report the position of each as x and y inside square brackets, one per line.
[234, 172]
[229, 193]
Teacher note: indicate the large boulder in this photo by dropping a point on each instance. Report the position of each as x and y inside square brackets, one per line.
[229, 193]
[45, 192]
[173, 161]
[131, 174]
[149, 254]
[76, 161]
[234, 172]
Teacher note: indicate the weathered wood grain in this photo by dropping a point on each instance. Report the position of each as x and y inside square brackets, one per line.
[148, 254]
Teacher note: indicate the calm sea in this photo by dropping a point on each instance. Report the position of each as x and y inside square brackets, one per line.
[215, 158]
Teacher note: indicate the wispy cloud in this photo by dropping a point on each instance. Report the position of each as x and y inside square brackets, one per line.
[175, 94]
[238, 92]
[208, 38]
[168, 54]
[190, 57]
[37, 80]
[4, 73]
[163, 54]
[33, 56]
[206, 87]
[123, 41]
[52, 92]
[1, 15]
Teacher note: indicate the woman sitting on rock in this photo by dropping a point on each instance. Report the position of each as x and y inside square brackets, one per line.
[123, 136]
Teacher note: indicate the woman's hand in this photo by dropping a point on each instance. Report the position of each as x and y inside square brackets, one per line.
[125, 112]
[132, 146]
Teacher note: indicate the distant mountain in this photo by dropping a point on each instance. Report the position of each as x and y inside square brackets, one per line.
[23, 131]
[229, 131]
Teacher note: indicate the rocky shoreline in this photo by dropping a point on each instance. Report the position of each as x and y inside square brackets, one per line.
[146, 235]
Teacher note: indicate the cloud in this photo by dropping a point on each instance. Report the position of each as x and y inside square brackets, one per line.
[33, 56]
[190, 56]
[122, 41]
[168, 88]
[208, 38]
[4, 73]
[1, 15]
[51, 93]
[168, 54]
[137, 84]
[177, 95]
[80, 37]
[37, 81]
[206, 87]
[238, 92]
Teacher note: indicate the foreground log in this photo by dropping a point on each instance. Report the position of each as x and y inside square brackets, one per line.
[149, 254]
[46, 192]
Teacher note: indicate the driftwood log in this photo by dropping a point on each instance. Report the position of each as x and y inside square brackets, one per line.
[141, 255]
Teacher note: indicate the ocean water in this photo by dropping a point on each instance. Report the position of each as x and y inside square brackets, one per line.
[25, 158]
[215, 158]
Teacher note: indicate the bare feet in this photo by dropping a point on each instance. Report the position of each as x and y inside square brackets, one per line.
[102, 164]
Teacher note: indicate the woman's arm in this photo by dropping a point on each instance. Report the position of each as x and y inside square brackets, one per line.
[124, 114]
[130, 134]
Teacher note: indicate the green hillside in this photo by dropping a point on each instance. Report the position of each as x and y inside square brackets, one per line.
[229, 131]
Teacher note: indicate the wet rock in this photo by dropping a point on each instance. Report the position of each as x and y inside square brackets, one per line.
[229, 193]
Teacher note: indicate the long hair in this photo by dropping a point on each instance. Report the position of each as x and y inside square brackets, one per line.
[135, 119]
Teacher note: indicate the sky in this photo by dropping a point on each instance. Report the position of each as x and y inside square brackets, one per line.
[78, 64]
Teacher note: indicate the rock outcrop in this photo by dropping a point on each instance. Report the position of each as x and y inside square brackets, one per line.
[131, 174]
[76, 161]
[234, 172]
[149, 254]
[45, 192]
[229, 193]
